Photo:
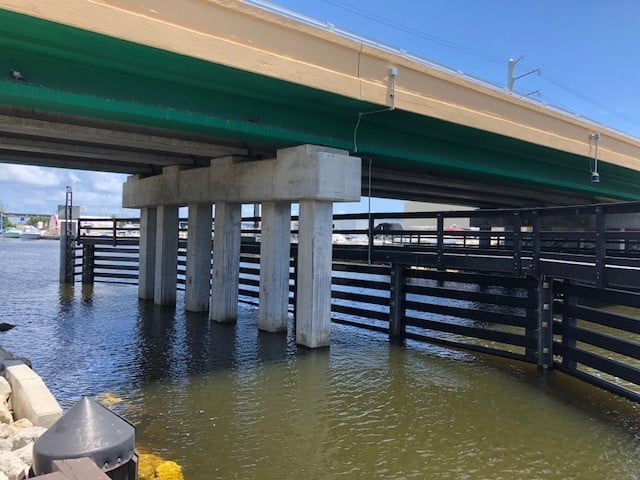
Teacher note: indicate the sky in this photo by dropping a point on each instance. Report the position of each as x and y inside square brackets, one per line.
[588, 53]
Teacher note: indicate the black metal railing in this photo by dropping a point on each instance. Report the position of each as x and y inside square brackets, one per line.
[598, 336]
[557, 287]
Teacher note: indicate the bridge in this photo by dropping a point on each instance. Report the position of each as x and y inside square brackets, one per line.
[223, 102]
[560, 299]
[114, 85]
[23, 215]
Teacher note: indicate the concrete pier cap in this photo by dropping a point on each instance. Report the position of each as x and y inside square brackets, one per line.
[306, 172]
[313, 176]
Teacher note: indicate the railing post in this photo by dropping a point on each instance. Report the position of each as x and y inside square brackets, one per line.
[396, 301]
[568, 321]
[114, 231]
[517, 244]
[370, 239]
[624, 242]
[67, 252]
[440, 244]
[536, 244]
[295, 284]
[601, 247]
[545, 323]
[484, 241]
[88, 263]
[530, 331]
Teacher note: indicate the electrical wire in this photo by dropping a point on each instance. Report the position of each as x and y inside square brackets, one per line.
[360, 115]
[585, 97]
[470, 51]
[588, 99]
[413, 31]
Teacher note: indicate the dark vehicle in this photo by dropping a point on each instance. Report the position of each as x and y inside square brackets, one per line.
[387, 227]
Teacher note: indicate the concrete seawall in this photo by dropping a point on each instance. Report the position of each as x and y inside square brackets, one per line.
[27, 409]
[30, 397]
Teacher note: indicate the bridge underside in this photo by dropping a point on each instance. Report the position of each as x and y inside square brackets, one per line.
[94, 102]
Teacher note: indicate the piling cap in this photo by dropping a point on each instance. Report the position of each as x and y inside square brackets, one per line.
[87, 430]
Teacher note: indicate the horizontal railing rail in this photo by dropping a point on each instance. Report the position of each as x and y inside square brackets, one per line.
[536, 285]
[598, 336]
[601, 247]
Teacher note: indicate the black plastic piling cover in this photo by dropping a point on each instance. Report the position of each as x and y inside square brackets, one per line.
[87, 430]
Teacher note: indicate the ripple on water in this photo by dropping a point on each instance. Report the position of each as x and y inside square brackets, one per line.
[226, 401]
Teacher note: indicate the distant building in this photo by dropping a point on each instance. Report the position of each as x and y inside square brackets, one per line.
[430, 223]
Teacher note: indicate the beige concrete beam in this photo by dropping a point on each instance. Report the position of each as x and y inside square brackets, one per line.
[299, 173]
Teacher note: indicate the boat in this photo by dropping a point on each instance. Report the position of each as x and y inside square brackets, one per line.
[30, 233]
[11, 232]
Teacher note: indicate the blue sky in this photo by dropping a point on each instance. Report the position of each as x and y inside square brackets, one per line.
[588, 52]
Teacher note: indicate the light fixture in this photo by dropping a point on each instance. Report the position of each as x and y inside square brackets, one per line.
[595, 176]
[16, 75]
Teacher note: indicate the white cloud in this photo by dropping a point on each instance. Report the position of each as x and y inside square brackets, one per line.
[109, 182]
[35, 202]
[98, 198]
[40, 189]
[30, 175]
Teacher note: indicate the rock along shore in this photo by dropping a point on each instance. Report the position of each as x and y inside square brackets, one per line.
[27, 409]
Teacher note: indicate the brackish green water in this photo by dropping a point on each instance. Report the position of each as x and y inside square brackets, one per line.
[228, 402]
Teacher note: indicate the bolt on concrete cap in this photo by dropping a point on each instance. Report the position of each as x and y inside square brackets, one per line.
[87, 430]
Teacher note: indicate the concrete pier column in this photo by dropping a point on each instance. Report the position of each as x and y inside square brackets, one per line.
[313, 309]
[147, 269]
[274, 266]
[315, 176]
[166, 255]
[198, 276]
[226, 262]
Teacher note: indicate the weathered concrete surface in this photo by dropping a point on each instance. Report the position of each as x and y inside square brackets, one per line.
[198, 274]
[311, 175]
[166, 264]
[313, 309]
[275, 251]
[306, 172]
[30, 397]
[226, 263]
[147, 259]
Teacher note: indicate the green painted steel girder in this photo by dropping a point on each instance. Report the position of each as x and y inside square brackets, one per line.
[71, 71]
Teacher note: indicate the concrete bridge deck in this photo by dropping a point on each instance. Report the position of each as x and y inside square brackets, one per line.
[116, 85]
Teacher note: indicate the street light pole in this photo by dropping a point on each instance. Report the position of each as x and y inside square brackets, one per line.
[511, 78]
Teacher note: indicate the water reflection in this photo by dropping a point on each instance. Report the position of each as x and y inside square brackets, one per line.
[229, 402]
[66, 298]
[87, 295]
[155, 344]
[198, 334]
[274, 347]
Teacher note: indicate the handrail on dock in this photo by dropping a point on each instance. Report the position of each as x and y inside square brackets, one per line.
[594, 243]
[557, 287]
